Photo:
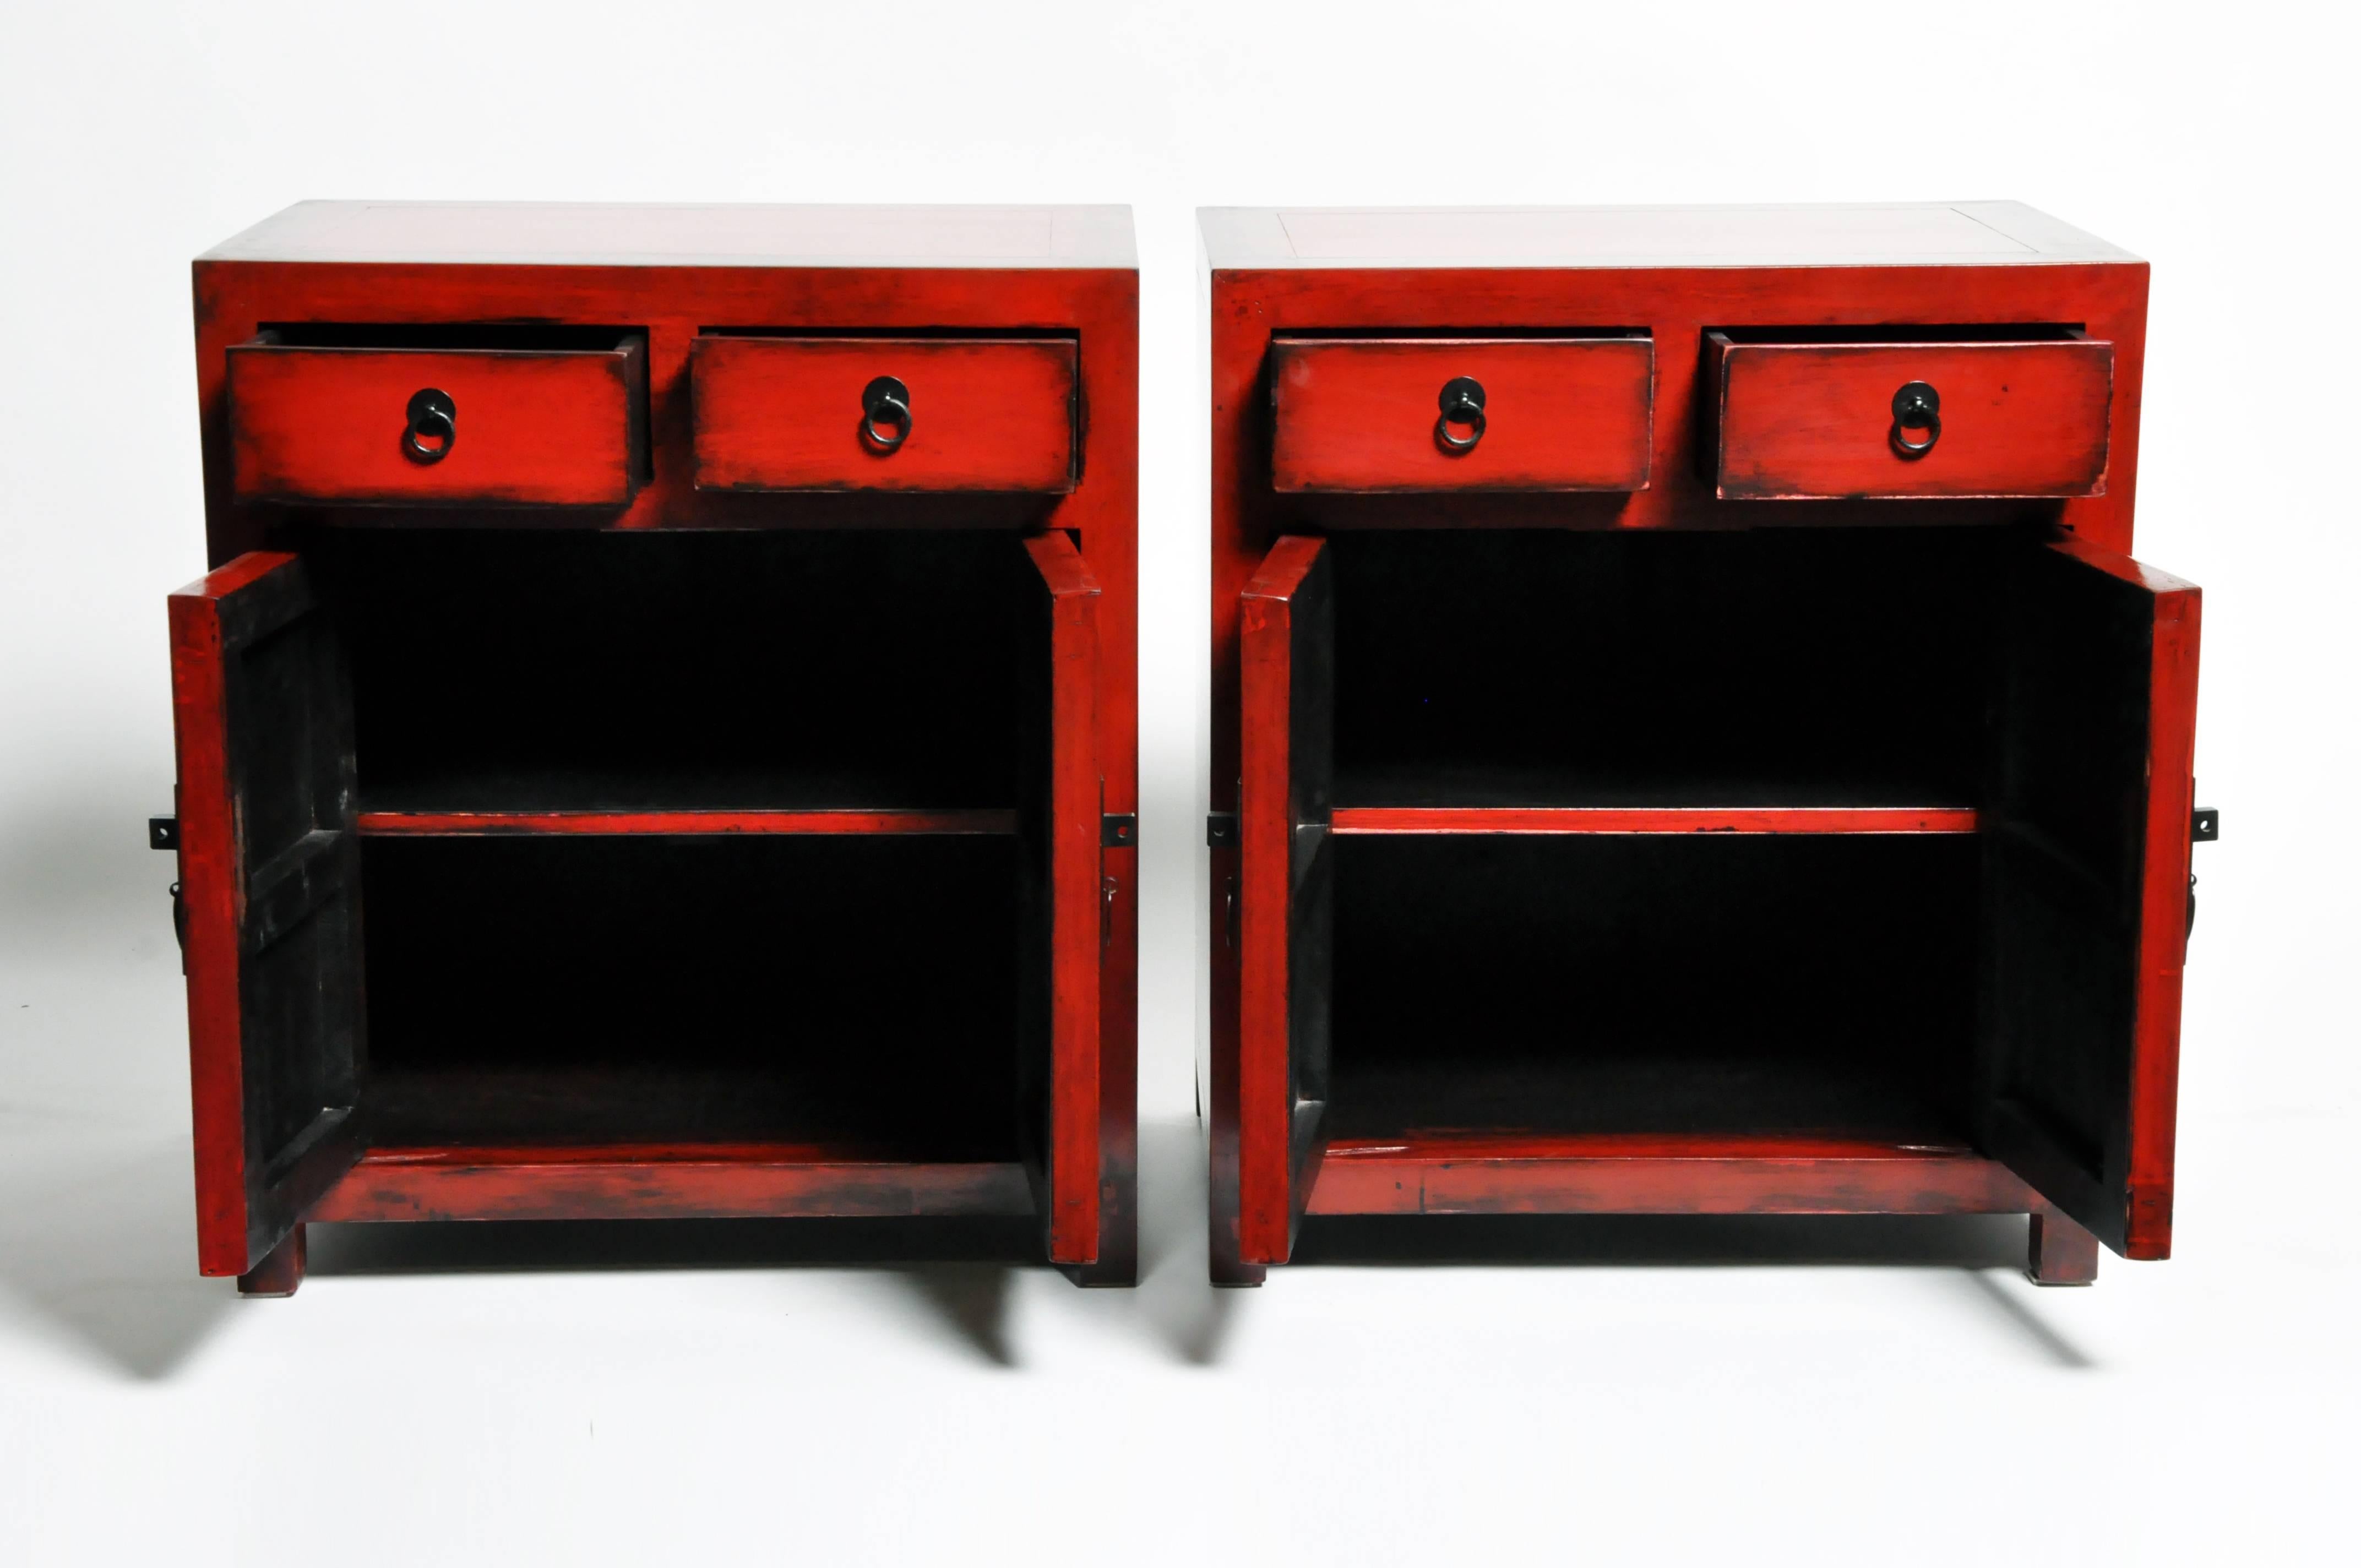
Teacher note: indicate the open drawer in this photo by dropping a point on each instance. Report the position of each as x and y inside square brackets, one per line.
[823, 972]
[1495, 891]
[1381, 414]
[439, 416]
[1814, 414]
[782, 412]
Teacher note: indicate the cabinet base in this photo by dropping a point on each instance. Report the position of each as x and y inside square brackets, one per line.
[1534, 1174]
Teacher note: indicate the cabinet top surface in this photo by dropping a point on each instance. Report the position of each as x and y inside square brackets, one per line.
[568, 234]
[1898, 234]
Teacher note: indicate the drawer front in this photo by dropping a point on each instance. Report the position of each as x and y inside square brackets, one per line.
[1825, 420]
[516, 427]
[810, 413]
[1369, 415]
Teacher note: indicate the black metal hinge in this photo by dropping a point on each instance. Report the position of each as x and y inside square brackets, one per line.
[2204, 827]
[1222, 830]
[1118, 832]
[164, 833]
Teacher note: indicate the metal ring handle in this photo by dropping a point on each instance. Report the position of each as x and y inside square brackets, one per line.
[1916, 407]
[1463, 403]
[431, 416]
[885, 402]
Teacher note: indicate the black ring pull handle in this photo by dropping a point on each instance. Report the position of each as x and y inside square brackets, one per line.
[1917, 406]
[432, 417]
[1463, 403]
[884, 402]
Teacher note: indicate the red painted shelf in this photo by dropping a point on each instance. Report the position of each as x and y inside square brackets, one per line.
[1366, 820]
[1523, 1145]
[503, 824]
[690, 1181]
[1470, 1173]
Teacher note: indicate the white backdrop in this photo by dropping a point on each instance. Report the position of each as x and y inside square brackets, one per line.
[1809, 1394]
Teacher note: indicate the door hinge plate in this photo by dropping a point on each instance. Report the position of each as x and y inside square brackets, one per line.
[163, 832]
[2204, 824]
[1222, 830]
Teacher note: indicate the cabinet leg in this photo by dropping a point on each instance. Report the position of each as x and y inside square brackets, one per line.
[278, 1274]
[2060, 1252]
[1225, 1267]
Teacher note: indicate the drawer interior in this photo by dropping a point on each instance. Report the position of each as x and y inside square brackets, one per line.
[557, 670]
[1766, 667]
[857, 994]
[1656, 984]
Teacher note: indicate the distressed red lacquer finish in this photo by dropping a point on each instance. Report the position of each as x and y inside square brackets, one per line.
[1280, 826]
[2032, 337]
[788, 413]
[528, 426]
[1362, 415]
[1510, 1173]
[1817, 421]
[497, 824]
[2163, 906]
[211, 899]
[1527, 1174]
[679, 1182]
[1364, 820]
[268, 888]
[564, 338]
[1078, 927]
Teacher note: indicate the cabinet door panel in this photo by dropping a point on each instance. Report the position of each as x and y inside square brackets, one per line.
[270, 883]
[1286, 896]
[1063, 924]
[2087, 836]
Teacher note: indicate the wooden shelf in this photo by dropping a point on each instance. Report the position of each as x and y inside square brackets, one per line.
[1525, 1173]
[504, 823]
[665, 1182]
[1384, 819]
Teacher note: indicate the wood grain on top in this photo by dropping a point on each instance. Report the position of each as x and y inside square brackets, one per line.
[582, 233]
[1883, 233]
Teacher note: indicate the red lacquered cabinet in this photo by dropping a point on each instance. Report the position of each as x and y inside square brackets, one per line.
[1688, 735]
[658, 738]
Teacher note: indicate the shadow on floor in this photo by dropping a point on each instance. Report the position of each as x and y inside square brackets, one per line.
[105, 1254]
[958, 1270]
[1176, 1301]
[1983, 1248]
[101, 1247]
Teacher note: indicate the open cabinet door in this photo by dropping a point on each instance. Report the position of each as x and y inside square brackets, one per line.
[270, 883]
[2086, 887]
[1063, 921]
[1286, 889]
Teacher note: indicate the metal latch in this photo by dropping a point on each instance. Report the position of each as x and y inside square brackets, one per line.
[164, 833]
[1118, 832]
[1222, 830]
[2204, 827]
